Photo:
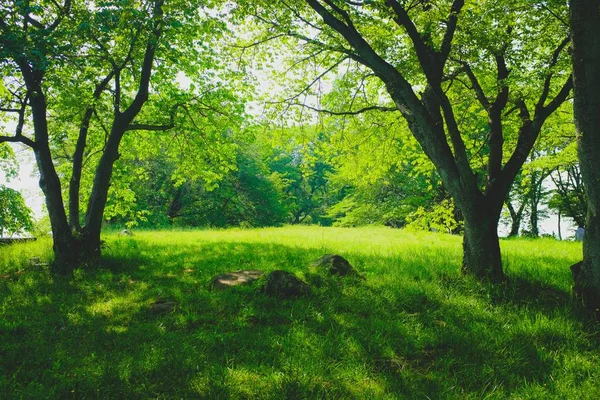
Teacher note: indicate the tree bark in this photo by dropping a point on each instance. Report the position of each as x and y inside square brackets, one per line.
[481, 246]
[534, 201]
[516, 216]
[65, 259]
[75, 183]
[585, 31]
[559, 226]
[98, 197]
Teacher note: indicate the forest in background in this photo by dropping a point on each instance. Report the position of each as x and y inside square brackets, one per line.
[312, 175]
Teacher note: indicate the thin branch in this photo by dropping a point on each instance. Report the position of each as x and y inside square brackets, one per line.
[19, 137]
[319, 77]
[14, 139]
[561, 97]
[34, 22]
[355, 112]
[62, 12]
[555, 15]
[148, 127]
[424, 52]
[117, 98]
[337, 49]
[300, 17]
[476, 86]
[455, 9]
[547, 81]
[340, 11]
[259, 42]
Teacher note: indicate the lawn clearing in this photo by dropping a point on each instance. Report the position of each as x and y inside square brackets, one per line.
[415, 328]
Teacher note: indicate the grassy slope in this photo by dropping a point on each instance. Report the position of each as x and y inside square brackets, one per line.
[415, 328]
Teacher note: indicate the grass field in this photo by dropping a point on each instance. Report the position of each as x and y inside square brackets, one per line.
[415, 328]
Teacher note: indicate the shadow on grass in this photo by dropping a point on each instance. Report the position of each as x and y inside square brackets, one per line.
[410, 332]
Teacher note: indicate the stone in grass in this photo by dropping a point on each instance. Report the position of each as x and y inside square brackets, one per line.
[281, 283]
[125, 232]
[335, 265]
[236, 278]
[162, 306]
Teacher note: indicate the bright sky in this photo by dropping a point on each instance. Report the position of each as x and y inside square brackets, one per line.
[27, 180]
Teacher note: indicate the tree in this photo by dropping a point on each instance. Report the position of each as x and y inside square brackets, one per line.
[585, 31]
[302, 171]
[244, 196]
[569, 198]
[15, 216]
[555, 157]
[395, 178]
[515, 203]
[510, 55]
[88, 61]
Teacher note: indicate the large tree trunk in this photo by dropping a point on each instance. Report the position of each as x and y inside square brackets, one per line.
[585, 30]
[481, 246]
[99, 195]
[68, 251]
[65, 258]
[75, 184]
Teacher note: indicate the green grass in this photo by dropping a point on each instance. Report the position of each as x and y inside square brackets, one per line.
[415, 328]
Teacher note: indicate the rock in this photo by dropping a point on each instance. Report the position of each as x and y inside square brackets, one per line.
[126, 232]
[236, 278]
[335, 265]
[161, 306]
[285, 284]
[579, 234]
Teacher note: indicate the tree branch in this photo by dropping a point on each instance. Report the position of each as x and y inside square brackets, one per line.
[148, 127]
[548, 80]
[62, 12]
[495, 121]
[146, 73]
[117, 99]
[543, 113]
[528, 133]
[425, 53]
[444, 52]
[19, 137]
[355, 112]
[483, 100]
